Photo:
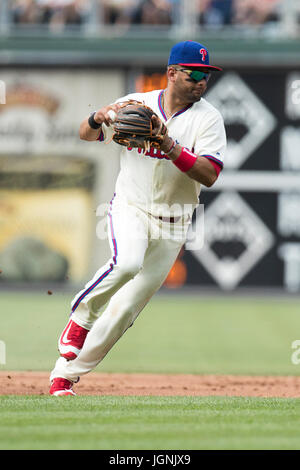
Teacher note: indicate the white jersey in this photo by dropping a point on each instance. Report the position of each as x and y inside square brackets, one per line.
[150, 180]
[150, 185]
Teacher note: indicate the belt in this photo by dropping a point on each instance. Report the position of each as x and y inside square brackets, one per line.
[171, 220]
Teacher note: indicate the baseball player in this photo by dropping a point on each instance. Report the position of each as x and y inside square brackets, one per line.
[150, 212]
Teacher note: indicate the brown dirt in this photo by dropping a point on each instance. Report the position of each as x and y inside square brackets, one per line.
[37, 383]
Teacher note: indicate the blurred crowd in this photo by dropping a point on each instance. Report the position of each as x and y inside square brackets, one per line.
[238, 12]
[212, 13]
[53, 12]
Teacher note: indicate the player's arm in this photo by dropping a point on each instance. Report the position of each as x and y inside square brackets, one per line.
[201, 170]
[202, 165]
[91, 127]
[204, 171]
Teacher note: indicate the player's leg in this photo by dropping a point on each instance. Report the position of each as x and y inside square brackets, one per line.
[122, 310]
[127, 233]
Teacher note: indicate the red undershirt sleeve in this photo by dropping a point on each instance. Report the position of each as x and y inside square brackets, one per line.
[216, 166]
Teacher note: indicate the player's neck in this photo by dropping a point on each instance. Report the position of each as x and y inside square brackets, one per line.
[172, 103]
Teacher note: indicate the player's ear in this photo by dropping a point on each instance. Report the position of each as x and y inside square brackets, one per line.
[171, 73]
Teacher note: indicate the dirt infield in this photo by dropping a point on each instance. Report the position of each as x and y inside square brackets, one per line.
[37, 383]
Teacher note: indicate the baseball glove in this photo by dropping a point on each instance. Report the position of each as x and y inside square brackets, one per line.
[137, 125]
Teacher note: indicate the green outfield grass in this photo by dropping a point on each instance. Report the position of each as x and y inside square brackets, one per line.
[177, 334]
[155, 423]
[173, 334]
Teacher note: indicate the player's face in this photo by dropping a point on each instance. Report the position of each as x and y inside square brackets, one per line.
[189, 88]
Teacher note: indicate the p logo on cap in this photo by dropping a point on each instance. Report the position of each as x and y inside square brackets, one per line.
[191, 54]
[203, 52]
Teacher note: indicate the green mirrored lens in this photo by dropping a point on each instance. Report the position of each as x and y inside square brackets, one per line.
[197, 75]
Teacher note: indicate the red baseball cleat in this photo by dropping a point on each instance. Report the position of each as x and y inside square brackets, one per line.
[71, 340]
[61, 387]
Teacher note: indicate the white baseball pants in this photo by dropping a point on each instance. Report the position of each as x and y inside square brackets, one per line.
[144, 248]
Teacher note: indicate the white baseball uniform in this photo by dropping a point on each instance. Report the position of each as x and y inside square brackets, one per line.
[148, 221]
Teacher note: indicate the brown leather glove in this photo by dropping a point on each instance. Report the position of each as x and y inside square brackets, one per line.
[137, 125]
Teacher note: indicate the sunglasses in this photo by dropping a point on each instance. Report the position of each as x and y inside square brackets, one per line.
[196, 74]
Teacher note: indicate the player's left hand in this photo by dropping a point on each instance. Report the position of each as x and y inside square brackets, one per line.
[158, 127]
[166, 140]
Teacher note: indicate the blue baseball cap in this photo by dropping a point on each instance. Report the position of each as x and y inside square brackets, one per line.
[191, 54]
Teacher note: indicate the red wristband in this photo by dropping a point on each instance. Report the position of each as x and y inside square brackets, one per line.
[186, 160]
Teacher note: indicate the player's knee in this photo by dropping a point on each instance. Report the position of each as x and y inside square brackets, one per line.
[129, 268]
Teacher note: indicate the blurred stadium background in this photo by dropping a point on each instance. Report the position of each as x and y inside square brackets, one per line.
[62, 59]
[231, 307]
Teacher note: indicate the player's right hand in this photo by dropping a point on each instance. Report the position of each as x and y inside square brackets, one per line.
[104, 117]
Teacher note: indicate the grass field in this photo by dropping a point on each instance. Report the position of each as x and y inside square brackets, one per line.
[176, 334]
[141, 423]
